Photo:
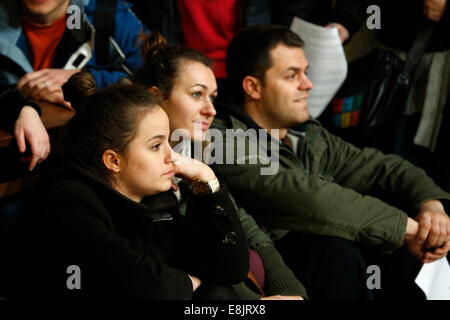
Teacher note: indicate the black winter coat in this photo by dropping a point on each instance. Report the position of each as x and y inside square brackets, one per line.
[123, 248]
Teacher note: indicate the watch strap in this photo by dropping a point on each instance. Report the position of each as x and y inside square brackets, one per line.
[206, 187]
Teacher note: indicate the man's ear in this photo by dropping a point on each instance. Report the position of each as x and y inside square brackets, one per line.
[111, 160]
[252, 87]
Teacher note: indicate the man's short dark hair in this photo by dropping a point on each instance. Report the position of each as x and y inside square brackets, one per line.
[249, 53]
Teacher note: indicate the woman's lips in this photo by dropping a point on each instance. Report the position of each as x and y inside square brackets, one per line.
[170, 173]
[202, 124]
[205, 125]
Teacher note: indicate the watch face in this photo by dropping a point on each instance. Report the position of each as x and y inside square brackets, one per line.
[201, 188]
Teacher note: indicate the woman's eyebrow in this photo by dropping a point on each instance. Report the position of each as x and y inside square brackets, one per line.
[199, 85]
[203, 86]
[159, 136]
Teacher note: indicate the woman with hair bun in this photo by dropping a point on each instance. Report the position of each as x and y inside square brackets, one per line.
[185, 80]
[109, 226]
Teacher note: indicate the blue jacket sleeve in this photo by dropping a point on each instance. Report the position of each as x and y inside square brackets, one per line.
[126, 34]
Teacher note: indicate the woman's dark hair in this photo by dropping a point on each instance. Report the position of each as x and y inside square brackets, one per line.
[105, 119]
[249, 53]
[162, 63]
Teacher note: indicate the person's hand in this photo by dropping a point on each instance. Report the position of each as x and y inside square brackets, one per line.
[416, 249]
[29, 127]
[434, 9]
[434, 230]
[56, 96]
[191, 169]
[426, 255]
[410, 241]
[46, 85]
[437, 253]
[343, 32]
[280, 297]
[175, 186]
[434, 224]
[196, 282]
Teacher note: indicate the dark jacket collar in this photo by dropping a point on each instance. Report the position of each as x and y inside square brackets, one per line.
[154, 206]
[231, 108]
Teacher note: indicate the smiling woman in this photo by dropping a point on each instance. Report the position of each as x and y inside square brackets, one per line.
[190, 105]
[185, 80]
[112, 214]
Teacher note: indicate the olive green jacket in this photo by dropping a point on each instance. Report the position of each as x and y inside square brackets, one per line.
[327, 187]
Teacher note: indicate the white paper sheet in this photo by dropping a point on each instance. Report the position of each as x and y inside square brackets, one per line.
[327, 62]
[434, 279]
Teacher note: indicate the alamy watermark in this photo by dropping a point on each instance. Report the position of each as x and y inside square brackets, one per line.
[374, 20]
[74, 17]
[74, 279]
[374, 280]
[234, 146]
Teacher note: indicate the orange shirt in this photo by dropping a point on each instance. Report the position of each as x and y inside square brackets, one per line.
[42, 41]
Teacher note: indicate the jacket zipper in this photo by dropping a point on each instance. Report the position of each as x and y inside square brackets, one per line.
[162, 219]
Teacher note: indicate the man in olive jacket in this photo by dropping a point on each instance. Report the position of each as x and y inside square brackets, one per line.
[318, 196]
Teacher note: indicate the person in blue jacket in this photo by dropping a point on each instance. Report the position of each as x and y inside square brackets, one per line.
[43, 43]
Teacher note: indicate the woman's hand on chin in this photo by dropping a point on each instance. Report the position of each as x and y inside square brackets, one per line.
[191, 169]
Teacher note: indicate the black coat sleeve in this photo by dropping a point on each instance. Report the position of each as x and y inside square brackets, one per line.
[222, 254]
[11, 103]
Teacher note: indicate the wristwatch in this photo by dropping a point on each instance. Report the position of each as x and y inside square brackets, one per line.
[205, 187]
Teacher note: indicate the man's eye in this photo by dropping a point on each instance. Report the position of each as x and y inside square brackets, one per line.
[292, 76]
[196, 94]
[212, 98]
[156, 146]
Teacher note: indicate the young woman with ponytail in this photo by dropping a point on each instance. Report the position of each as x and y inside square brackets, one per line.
[185, 80]
[109, 225]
